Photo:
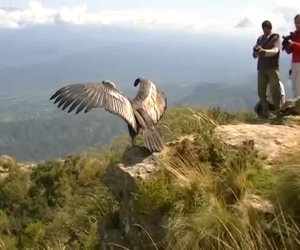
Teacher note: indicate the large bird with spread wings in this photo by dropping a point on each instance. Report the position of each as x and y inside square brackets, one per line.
[141, 114]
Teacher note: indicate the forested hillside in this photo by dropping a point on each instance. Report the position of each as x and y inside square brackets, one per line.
[44, 139]
[32, 129]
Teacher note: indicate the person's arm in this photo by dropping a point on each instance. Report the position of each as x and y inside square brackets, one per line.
[271, 52]
[295, 46]
[255, 54]
[274, 51]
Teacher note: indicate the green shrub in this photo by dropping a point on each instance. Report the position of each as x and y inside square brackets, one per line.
[4, 222]
[8, 242]
[34, 235]
[57, 204]
[155, 193]
[262, 181]
[13, 189]
[287, 190]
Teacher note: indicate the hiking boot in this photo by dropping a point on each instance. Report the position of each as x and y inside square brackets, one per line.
[265, 116]
[265, 113]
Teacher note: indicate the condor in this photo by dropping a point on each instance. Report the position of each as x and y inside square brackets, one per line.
[141, 114]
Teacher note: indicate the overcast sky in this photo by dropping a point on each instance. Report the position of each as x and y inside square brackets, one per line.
[188, 36]
[196, 15]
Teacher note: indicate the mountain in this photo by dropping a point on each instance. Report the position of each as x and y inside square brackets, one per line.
[41, 139]
[122, 64]
[230, 97]
[51, 56]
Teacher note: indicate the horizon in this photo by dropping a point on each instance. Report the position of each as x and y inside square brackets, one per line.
[233, 16]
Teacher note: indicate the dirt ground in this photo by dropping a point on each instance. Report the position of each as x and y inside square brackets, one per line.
[270, 140]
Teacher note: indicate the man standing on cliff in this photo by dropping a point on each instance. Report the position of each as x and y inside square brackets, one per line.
[267, 51]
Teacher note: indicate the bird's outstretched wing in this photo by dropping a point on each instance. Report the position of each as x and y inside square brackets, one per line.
[85, 96]
[153, 101]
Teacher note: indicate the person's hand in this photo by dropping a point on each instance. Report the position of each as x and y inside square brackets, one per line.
[261, 52]
[290, 42]
[258, 48]
[255, 55]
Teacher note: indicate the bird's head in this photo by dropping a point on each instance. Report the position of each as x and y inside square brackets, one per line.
[137, 81]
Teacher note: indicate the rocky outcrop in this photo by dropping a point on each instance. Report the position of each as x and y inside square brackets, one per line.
[127, 228]
[269, 140]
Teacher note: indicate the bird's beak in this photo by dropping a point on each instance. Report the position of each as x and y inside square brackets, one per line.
[136, 83]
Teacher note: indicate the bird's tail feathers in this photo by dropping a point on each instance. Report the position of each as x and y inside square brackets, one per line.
[153, 140]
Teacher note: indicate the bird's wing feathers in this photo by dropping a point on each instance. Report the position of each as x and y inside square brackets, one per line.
[154, 102]
[93, 95]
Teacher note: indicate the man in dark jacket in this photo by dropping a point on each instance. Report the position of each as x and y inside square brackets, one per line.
[267, 51]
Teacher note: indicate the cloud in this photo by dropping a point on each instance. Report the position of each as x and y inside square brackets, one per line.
[36, 13]
[245, 23]
[192, 20]
[281, 15]
[290, 3]
[287, 13]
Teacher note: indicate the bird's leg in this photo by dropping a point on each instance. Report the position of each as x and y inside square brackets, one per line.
[132, 134]
[132, 141]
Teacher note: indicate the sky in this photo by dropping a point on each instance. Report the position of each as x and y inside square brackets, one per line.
[196, 15]
[33, 34]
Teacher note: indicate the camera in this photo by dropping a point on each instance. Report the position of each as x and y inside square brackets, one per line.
[285, 41]
[256, 49]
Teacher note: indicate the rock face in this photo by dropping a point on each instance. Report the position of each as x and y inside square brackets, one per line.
[127, 228]
[269, 140]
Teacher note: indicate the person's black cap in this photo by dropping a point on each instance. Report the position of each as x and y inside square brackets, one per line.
[267, 24]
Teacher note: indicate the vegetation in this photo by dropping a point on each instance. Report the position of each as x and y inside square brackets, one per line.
[181, 121]
[211, 195]
[57, 204]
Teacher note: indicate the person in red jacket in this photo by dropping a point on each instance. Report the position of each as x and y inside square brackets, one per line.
[293, 46]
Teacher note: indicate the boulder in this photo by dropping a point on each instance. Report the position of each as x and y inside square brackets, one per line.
[291, 107]
[126, 227]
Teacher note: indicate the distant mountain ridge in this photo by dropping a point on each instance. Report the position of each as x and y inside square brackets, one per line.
[230, 97]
